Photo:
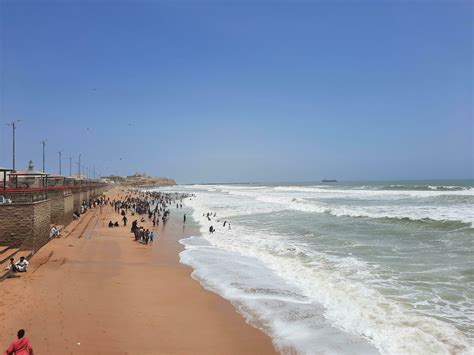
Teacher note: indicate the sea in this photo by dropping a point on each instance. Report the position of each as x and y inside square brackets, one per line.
[341, 268]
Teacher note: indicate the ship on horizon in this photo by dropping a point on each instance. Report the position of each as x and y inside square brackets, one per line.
[329, 180]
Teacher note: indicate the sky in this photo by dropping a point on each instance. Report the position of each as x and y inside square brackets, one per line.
[234, 91]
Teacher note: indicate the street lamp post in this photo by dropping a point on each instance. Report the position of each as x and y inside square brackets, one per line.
[13, 124]
[79, 166]
[43, 142]
[60, 171]
[70, 166]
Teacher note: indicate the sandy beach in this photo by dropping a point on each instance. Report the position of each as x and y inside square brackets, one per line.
[96, 291]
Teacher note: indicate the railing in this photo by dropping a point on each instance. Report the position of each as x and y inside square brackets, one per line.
[40, 188]
[35, 194]
[25, 197]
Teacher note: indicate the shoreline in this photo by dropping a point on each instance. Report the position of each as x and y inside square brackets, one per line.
[94, 290]
[329, 282]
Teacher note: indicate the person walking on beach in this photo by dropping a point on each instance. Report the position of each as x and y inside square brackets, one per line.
[20, 346]
[184, 218]
[124, 219]
[152, 236]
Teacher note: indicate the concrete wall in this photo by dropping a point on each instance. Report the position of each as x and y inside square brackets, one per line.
[16, 223]
[41, 229]
[77, 200]
[57, 206]
[68, 209]
[25, 225]
[62, 202]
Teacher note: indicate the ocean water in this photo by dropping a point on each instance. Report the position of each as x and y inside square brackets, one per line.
[342, 268]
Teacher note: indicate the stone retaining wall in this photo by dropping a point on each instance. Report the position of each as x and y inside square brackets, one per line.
[77, 200]
[25, 225]
[61, 206]
[16, 223]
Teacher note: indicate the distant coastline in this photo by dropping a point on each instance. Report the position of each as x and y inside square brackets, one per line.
[139, 180]
[317, 182]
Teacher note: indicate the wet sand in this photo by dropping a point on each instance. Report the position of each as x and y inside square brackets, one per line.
[96, 291]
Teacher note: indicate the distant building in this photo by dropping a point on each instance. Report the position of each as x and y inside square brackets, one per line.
[27, 178]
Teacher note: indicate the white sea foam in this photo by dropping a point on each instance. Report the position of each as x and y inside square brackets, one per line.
[389, 204]
[295, 322]
[374, 193]
[462, 213]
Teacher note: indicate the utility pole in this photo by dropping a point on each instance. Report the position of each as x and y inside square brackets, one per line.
[43, 142]
[13, 124]
[79, 166]
[70, 166]
[60, 172]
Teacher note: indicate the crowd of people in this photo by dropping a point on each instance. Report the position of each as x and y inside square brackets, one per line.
[91, 203]
[141, 205]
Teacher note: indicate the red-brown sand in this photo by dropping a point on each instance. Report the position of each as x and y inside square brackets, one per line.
[96, 291]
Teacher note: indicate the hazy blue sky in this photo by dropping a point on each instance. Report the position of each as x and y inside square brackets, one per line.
[242, 91]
